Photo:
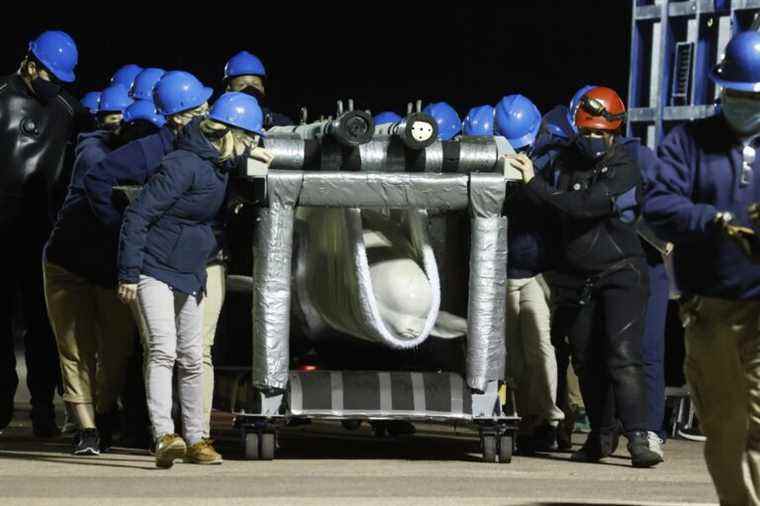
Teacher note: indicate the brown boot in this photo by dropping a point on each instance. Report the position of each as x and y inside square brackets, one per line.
[169, 448]
[203, 452]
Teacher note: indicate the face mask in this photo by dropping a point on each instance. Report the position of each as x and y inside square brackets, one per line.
[255, 93]
[45, 90]
[591, 147]
[742, 114]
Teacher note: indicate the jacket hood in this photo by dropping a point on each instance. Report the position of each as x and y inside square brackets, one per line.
[191, 139]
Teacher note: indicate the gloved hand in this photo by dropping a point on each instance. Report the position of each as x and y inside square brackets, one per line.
[743, 237]
[522, 163]
[754, 214]
[262, 155]
[127, 292]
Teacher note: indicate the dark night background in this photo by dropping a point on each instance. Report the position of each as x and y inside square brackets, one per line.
[381, 57]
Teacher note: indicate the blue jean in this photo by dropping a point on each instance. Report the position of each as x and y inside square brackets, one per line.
[653, 348]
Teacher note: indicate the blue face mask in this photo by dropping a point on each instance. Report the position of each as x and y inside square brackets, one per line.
[591, 147]
[741, 113]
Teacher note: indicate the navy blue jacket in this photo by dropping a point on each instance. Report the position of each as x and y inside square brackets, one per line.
[79, 242]
[699, 175]
[530, 230]
[167, 231]
[132, 164]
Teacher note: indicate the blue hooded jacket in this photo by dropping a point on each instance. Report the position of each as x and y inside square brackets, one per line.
[167, 231]
[79, 242]
[132, 164]
[700, 174]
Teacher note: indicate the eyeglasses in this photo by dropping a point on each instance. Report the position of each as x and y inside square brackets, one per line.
[596, 108]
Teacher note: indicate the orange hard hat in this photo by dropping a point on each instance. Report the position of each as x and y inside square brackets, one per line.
[600, 109]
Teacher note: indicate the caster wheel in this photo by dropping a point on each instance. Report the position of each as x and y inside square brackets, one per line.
[251, 446]
[490, 454]
[506, 446]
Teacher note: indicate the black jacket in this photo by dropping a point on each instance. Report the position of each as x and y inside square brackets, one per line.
[34, 139]
[585, 195]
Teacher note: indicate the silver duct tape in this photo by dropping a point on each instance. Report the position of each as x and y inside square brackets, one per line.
[289, 151]
[366, 190]
[477, 154]
[486, 353]
[434, 157]
[373, 155]
[487, 193]
[284, 187]
[273, 249]
[382, 154]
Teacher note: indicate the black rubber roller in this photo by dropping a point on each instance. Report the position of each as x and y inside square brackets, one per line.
[418, 131]
[353, 128]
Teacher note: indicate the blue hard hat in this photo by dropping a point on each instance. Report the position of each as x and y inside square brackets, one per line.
[244, 64]
[449, 123]
[740, 67]
[57, 51]
[386, 117]
[91, 101]
[479, 121]
[517, 119]
[238, 110]
[126, 75]
[179, 91]
[114, 99]
[556, 130]
[575, 102]
[142, 89]
[144, 110]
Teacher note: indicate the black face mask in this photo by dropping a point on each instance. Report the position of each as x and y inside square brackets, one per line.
[137, 130]
[592, 148]
[45, 90]
[255, 93]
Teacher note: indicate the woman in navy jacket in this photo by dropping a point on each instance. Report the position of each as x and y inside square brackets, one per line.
[165, 241]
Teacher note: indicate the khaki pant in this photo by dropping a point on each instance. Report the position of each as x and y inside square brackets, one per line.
[216, 287]
[723, 371]
[533, 364]
[94, 333]
[575, 399]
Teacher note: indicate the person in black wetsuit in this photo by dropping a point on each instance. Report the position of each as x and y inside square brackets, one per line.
[593, 188]
[38, 124]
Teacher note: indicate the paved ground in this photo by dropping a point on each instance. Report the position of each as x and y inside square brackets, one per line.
[322, 464]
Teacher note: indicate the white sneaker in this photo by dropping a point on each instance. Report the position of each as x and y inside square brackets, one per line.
[655, 443]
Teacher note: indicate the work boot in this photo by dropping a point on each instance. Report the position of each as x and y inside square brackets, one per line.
[169, 448]
[565, 432]
[43, 423]
[545, 438]
[596, 447]
[203, 452]
[641, 454]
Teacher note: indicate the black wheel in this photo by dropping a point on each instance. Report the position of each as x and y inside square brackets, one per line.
[490, 454]
[251, 444]
[267, 446]
[506, 446]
